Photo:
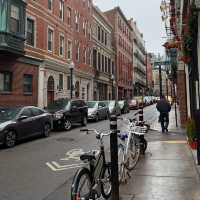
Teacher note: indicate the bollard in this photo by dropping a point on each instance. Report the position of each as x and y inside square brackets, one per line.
[197, 120]
[114, 157]
[141, 116]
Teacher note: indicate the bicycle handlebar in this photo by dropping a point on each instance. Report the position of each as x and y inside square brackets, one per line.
[95, 131]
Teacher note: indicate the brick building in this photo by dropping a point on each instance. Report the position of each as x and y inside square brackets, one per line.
[139, 61]
[149, 71]
[18, 72]
[103, 56]
[81, 12]
[42, 38]
[123, 44]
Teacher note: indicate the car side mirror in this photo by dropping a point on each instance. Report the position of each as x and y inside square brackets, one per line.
[23, 117]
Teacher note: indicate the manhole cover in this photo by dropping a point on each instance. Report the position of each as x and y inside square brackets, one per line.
[65, 139]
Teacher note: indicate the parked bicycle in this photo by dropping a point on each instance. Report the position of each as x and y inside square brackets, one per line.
[132, 144]
[92, 182]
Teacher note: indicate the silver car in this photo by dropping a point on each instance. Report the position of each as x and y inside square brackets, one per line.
[97, 110]
[113, 106]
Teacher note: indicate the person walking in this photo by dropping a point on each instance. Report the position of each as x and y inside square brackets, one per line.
[164, 107]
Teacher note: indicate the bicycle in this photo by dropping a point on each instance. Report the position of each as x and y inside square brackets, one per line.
[96, 178]
[132, 145]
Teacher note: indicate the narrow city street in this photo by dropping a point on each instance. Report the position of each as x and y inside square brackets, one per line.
[42, 169]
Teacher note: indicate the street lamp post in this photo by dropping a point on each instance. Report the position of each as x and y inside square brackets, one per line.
[113, 81]
[71, 67]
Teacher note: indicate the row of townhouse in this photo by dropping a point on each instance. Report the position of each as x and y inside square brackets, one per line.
[40, 39]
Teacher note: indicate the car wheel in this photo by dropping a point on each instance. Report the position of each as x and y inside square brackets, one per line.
[47, 129]
[84, 121]
[107, 116]
[10, 138]
[67, 124]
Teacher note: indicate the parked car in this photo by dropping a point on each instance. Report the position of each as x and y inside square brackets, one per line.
[139, 100]
[133, 104]
[113, 107]
[23, 122]
[97, 110]
[67, 112]
[123, 104]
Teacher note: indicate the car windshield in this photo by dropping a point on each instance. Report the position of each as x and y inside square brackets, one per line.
[59, 104]
[7, 114]
[91, 104]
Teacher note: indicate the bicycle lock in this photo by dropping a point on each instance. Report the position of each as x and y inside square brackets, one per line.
[114, 157]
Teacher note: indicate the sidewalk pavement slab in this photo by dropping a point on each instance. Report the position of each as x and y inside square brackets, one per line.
[166, 172]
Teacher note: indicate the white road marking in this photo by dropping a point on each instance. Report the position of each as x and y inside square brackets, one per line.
[56, 167]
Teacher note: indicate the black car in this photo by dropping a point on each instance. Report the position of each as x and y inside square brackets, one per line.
[123, 104]
[66, 112]
[23, 122]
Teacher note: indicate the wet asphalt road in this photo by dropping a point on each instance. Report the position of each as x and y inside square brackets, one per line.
[43, 168]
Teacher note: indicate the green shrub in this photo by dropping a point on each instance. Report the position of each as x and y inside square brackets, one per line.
[191, 130]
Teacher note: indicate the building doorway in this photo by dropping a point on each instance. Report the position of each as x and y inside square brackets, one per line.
[50, 90]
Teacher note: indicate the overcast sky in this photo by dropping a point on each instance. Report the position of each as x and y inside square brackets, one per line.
[148, 16]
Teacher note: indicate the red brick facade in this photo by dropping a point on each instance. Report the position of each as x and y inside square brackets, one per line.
[123, 43]
[181, 97]
[16, 96]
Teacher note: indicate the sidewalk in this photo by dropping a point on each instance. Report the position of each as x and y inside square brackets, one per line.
[167, 171]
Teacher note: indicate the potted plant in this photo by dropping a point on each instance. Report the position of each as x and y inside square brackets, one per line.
[191, 133]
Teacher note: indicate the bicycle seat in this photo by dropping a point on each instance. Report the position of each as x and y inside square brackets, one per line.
[132, 120]
[87, 156]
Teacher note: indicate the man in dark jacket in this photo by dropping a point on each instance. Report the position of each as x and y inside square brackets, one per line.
[163, 106]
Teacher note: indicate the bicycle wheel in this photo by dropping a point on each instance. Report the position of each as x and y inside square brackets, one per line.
[133, 153]
[143, 145]
[81, 185]
[106, 186]
[121, 166]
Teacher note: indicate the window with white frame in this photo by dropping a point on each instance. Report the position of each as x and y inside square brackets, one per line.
[62, 45]
[50, 4]
[85, 56]
[14, 19]
[50, 39]
[69, 50]
[77, 51]
[61, 11]
[69, 16]
[77, 21]
[30, 32]
[60, 86]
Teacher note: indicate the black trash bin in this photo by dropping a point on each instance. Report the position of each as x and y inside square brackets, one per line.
[197, 123]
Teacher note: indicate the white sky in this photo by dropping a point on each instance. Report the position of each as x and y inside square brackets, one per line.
[148, 16]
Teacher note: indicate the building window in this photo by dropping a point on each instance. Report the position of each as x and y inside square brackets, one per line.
[102, 62]
[77, 21]
[99, 61]
[60, 87]
[50, 4]
[5, 81]
[106, 39]
[106, 64]
[50, 39]
[102, 36]
[68, 82]
[62, 44]
[30, 40]
[77, 52]
[95, 58]
[85, 56]
[61, 10]
[99, 33]
[14, 19]
[83, 93]
[69, 50]
[28, 84]
[69, 15]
